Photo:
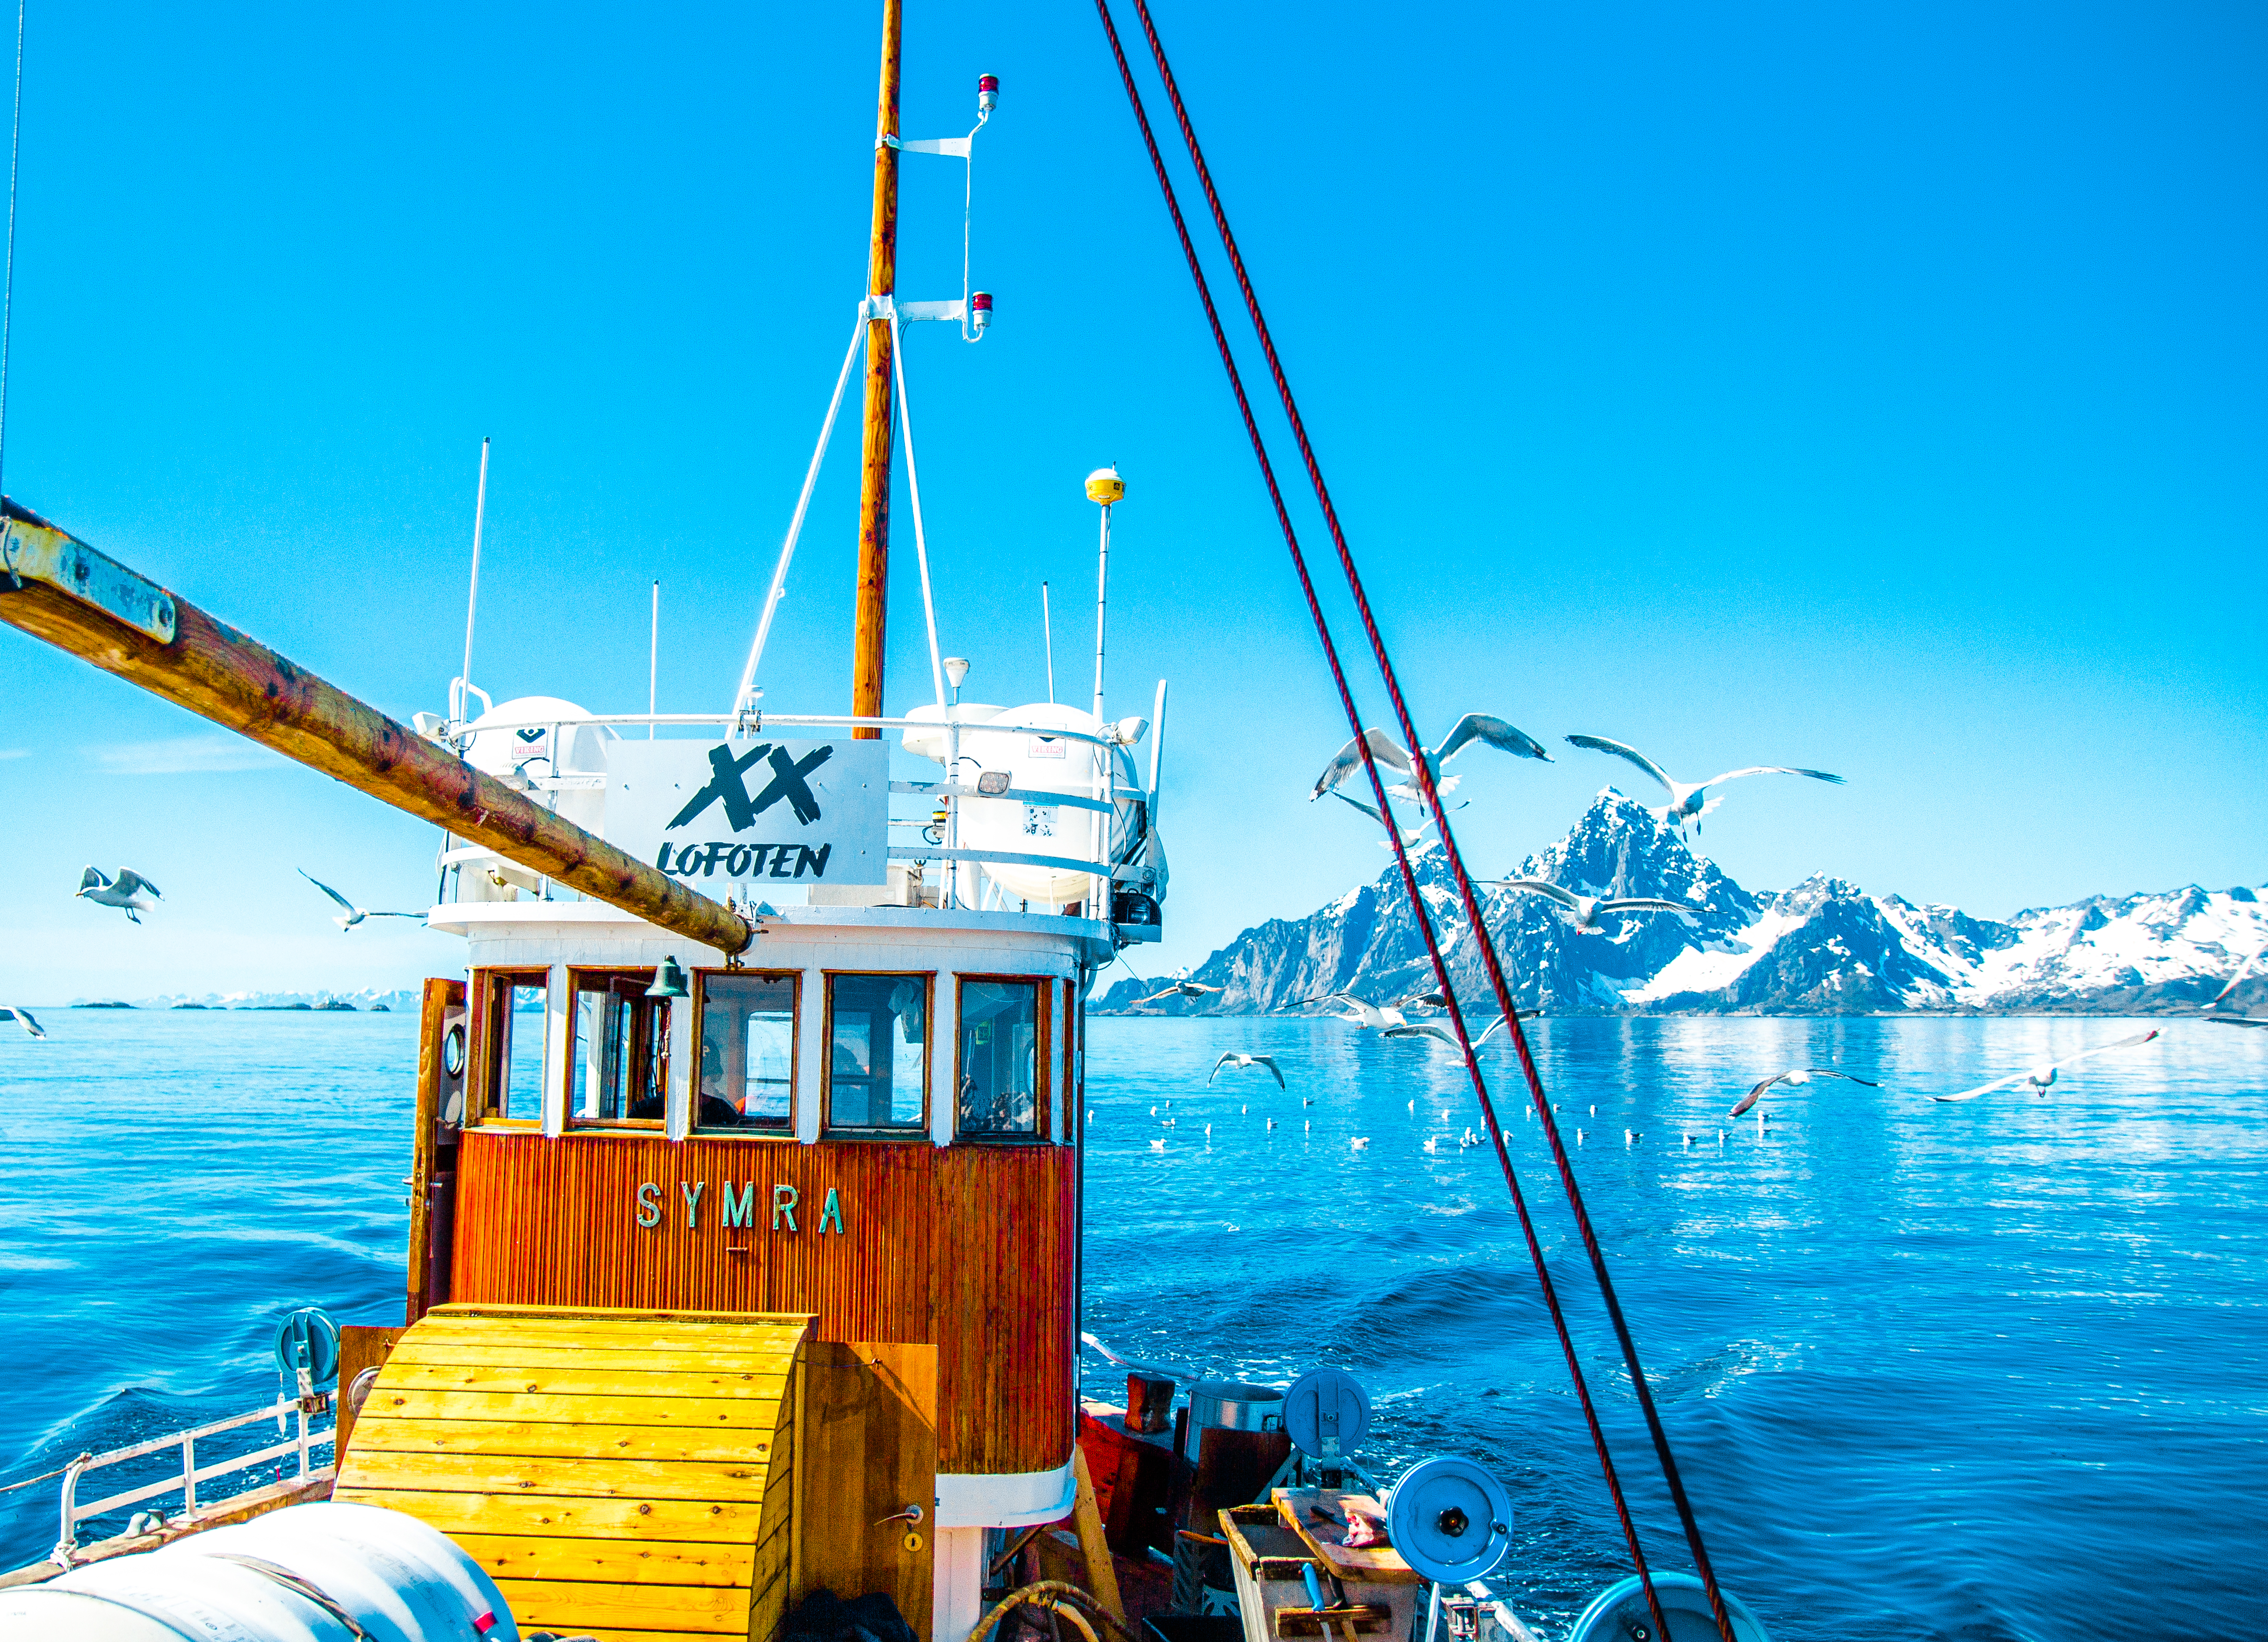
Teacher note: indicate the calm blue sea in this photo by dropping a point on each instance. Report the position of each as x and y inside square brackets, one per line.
[1988, 1371]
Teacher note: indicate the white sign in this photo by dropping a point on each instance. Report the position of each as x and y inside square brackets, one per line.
[738, 812]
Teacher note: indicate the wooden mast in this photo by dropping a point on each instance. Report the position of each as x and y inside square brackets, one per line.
[874, 467]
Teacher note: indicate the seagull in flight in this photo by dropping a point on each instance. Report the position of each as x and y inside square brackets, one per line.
[1386, 750]
[1374, 1017]
[1588, 908]
[22, 1017]
[1795, 1079]
[1690, 800]
[1410, 835]
[1179, 986]
[2236, 980]
[1496, 1026]
[1408, 1031]
[2040, 1076]
[355, 914]
[1238, 1062]
[129, 892]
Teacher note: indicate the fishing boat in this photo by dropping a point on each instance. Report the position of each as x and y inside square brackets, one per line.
[743, 1268]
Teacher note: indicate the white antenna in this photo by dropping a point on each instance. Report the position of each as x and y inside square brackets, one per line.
[654, 659]
[1048, 633]
[473, 599]
[1103, 487]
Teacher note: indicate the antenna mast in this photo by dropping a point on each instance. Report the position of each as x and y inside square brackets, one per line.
[473, 599]
[875, 468]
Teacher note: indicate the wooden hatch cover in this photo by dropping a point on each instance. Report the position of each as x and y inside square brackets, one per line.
[626, 1474]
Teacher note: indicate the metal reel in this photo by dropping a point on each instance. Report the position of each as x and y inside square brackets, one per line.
[1619, 1613]
[1450, 1520]
[307, 1340]
[1328, 1413]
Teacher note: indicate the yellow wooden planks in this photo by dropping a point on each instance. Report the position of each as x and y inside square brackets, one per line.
[611, 1561]
[470, 1515]
[622, 1475]
[566, 1605]
[567, 1440]
[751, 1414]
[742, 1385]
[375, 1468]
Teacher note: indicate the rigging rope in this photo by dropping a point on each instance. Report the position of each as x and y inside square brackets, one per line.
[1424, 774]
[1400, 852]
[795, 525]
[913, 497]
[8, 286]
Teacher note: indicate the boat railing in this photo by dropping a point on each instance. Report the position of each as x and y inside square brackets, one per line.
[1113, 863]
[299, 1443]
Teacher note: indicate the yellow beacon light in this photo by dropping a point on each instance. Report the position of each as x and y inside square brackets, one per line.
[1105, 486]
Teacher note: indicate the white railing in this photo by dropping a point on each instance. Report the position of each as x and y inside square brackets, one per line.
[1106, 868]
[191, 1474]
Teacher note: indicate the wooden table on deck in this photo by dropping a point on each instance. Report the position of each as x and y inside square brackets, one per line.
[1360, 1565]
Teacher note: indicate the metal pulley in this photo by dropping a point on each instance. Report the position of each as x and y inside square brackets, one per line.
[1450, 1520]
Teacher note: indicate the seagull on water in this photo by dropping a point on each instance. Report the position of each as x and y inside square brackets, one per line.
[1359, 1142]
[1386, 750]
[355, 914]
[1588, 908]
[1795, 1079]
[129, 892]
[1238, 1062]
[1157, 1146]
[1690, 800]
[2040, 1076]
[22, 1017]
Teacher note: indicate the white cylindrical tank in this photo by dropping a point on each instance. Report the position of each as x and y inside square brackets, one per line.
[928, 742]
[276, 1579]
[1035, 764]
[527, 752]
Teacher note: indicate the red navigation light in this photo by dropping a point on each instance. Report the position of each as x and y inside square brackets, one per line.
[979, 306]
[988, 92]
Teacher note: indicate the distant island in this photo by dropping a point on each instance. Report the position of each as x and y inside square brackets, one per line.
[98, 1004]
[371, 1000]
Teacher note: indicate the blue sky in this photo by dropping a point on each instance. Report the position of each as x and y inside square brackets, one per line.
[1878, 388]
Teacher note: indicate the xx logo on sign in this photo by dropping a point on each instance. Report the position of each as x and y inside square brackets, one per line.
[725, 786]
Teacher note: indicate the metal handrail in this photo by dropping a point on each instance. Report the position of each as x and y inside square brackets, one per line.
[794, 721]
[299, 1442]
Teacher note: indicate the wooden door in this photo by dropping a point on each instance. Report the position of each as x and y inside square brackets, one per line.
[867, 1455]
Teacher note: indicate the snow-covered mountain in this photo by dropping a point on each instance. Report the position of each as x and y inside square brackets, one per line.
[1825, 946]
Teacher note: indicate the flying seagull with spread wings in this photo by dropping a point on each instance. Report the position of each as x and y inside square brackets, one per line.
[1386, 750]
[1179, 986]
[1588, 909]
[22, 1017]
[2236, 980]
[1374, 1017]
[129, 892]
[1405, 1030]
[1238, 1062]
[1690, 800]
[1496, 1026]
[2040, 1076]
[1795, 1079]
[355, 914]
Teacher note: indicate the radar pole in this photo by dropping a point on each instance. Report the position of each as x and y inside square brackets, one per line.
[874, 467]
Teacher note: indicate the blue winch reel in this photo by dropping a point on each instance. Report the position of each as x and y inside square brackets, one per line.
[307, 1349]
[1450, 1520]
[1327, 1414]
[1619, 1613]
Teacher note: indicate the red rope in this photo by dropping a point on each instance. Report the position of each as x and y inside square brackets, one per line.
[1394, 834]
[1466, 894]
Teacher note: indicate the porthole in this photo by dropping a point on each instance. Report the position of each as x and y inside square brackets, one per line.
[453, 1052]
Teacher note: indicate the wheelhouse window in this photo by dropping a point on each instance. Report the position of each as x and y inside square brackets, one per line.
[747, 1053]
[877, 1053]
[516, 1015]
[1002, 1044]
[619, 1066]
